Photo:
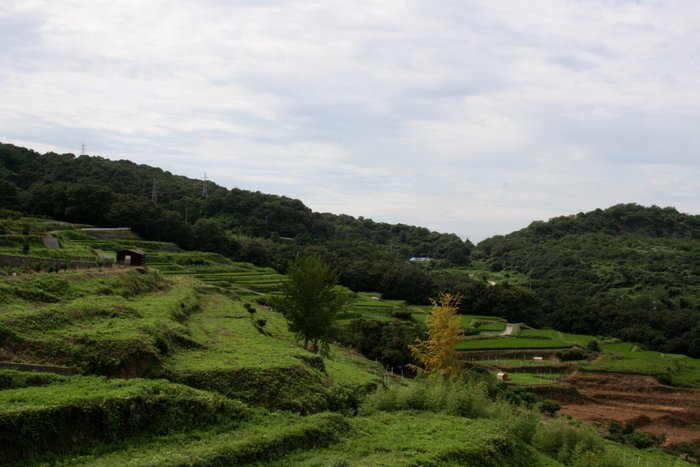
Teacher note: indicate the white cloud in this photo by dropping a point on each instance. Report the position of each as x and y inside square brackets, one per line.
[468, 116]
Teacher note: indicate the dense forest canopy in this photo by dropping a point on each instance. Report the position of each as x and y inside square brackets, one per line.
[627, 271]
[250, 226]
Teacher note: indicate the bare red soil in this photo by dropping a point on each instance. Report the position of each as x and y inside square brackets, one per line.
[640, 400]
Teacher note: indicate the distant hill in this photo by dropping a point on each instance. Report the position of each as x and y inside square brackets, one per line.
[629, 271]
[265, 229]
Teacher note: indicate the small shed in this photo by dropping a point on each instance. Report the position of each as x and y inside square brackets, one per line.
[131, 257]
[502, 376]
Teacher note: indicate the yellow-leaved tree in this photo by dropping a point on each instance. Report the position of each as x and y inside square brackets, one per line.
[437, 353]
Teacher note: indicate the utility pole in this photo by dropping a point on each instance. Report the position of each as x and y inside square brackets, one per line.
[205, 194]
[154, 192]
[82, 151]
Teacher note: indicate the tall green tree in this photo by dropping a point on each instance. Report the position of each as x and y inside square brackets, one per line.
[310, 301]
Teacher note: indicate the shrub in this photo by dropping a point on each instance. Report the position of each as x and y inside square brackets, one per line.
[471, 331]
[457, 396]
[572, 354]
[403, 315]
[567, 443]
[549, 406]
[642, 440]
[593, 346]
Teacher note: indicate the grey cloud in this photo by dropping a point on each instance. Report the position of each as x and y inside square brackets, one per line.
[469, 116]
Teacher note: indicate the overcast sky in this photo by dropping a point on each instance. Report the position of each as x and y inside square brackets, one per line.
[473, 117]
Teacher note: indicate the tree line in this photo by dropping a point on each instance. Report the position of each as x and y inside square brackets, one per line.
[629, 271]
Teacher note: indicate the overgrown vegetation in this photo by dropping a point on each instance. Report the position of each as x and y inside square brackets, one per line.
[627, 271]
[437, 353]
[310, 301]
[237, 388]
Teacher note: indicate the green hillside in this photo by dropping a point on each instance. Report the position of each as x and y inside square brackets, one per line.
[627, 271]
[215, 378]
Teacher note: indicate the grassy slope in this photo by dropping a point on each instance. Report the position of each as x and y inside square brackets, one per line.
[262, 365]
[119, 323]
[203, 336]
[678, 370]
[420, 438]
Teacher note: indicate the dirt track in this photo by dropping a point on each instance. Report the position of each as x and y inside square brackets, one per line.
[639, 400]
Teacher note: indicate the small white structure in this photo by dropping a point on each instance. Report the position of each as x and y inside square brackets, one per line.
[418, 259]
[537, 359]
[502, 375]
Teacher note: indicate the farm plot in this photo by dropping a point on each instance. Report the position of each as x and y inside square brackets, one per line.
[534, 378]
[370, 305]
[512, 343]
[679, 370]
[470, 321]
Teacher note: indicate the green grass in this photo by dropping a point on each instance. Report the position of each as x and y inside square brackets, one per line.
[514, 363]
[262, 439]
[419, 438]
[83, 410]
[678, 370]
[527, 339]
[113, 324]
[644, 457]
[533, 379]
[492, 327]
[262, 365]
[575, 339]
[497, 343]
[465, 320]
[481, 270]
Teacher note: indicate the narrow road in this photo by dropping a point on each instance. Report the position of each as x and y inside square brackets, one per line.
[508, 330]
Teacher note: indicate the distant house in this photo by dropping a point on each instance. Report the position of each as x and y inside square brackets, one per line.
[418, 259]
[131, 257]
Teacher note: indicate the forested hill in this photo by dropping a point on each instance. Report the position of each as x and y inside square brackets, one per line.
[628, 271]
[249, 226]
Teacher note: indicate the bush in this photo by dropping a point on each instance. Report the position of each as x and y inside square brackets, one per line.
[572, 354]
[471, 331]
[549, 406]
[641, 440]
[567, 443]
[593, 346]
[627, 435]
[403, 315]
[458, 396]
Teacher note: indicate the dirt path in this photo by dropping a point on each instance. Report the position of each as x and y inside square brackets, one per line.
[508, 330]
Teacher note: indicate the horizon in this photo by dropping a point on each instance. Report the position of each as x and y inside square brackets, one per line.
[378, 220]
[474, 118]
